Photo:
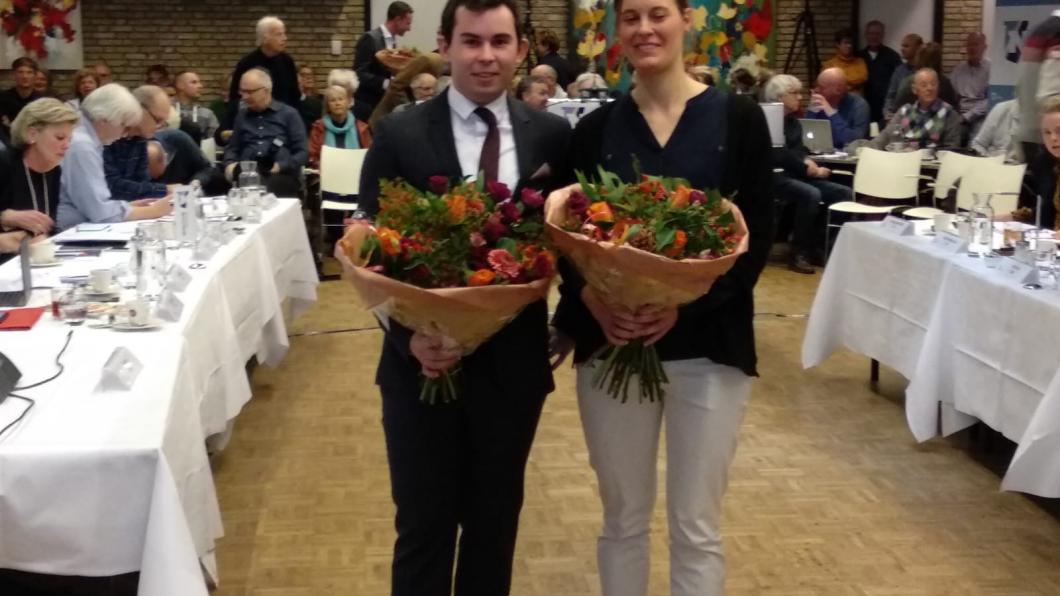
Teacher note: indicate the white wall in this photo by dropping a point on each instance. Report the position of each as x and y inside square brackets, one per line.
[426, 17]
[900, 17]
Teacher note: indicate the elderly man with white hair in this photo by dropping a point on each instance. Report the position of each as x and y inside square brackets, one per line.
[84, 196]
[803, 183]
[272, 57]
[268, 132]
[549, 74]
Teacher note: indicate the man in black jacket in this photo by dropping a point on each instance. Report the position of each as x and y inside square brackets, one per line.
[460, 465]
[272, 57]
[881, 61]
[373, 75]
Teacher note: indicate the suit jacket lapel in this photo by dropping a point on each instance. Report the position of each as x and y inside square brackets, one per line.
[440, 131]
[523, 135]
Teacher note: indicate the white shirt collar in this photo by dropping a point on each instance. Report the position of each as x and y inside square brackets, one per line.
[464, 107]
[387, 35]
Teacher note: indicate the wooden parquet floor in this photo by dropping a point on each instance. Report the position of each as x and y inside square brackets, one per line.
[829, 494]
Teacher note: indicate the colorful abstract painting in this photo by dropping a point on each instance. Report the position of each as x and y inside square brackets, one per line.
[724, 34]
[48, 31]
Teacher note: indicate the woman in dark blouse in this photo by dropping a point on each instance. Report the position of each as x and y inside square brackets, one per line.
[1044, 171]
[29, 182]
[673, 126]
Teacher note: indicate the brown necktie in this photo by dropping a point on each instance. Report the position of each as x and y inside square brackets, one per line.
[489, 160]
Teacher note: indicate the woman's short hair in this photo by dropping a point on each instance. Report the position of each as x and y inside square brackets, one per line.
[84, 73]
[548, 39]
[345, 78]
[780, 85]
[39, 114]
[112, 103]
[597, 80]
[331, 90]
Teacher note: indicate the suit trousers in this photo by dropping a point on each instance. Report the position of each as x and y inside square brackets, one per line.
[703, 408]
[453, 466]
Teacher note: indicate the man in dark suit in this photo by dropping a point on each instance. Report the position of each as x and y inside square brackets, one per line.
[881, 61]
[373, 75]
[459, 465]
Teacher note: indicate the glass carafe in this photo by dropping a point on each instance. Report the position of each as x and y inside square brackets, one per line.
[248, 174]
[982, 216]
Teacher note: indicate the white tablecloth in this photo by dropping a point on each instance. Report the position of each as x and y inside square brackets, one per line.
[101, 483]
[974, 345]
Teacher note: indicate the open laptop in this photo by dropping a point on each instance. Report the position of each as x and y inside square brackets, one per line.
[817, 135]
[774, 113]
[20, 297]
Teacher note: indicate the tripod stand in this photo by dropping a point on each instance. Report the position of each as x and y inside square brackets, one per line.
[805, 27]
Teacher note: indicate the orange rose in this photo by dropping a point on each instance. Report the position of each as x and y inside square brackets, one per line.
[457, 208]
[389, 241]
[680, 197]
[482, 277]
[601, 212]
[680, 240]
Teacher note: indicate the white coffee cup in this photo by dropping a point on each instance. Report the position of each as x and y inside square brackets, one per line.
[943, 221]
[102, 280]
[137, 312]
[42, 253]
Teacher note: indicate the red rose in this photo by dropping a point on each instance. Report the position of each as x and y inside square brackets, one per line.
[509, 211]
[498, 190]
[494, 229]
[532, 198]
[578, 203]
[543, 265]
[439, 185]
[697, 197]
[477, 240]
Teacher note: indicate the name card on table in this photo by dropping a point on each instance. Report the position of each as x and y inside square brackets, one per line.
[120, 370]
[949, 243]
[177, 278]
[1018, 272]
[898, 226]
[169, 306]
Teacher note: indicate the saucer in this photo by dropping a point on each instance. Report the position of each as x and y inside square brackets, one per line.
[52, 263]
[114, 290]
[152, 324]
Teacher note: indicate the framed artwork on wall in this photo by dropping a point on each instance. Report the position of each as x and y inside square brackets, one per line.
[49, 31]
[725, 35]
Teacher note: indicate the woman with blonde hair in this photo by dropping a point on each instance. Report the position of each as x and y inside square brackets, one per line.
[29, 185]
[85, 81]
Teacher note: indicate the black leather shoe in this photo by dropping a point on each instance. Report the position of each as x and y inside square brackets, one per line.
[801, 264]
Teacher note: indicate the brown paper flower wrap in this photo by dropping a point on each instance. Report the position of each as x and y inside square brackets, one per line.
[622, 275]
[396, 59]
[463, 317]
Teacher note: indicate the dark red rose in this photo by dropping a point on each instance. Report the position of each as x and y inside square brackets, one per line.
[509, 211]
[696, 197]
[494, 229]
[578, 203]
[542, 265]
[532, 198]
[420, 275]
[439, 185]
[498, 190]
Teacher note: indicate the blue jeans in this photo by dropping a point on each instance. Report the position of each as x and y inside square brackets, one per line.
[808, 195]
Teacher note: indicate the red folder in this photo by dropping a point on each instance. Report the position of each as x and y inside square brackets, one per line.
[21, 319]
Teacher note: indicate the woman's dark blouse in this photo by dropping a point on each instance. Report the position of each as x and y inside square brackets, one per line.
[15, 190]
[721, 141]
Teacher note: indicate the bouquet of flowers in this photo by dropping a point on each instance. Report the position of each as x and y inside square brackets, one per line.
[397, 58]
[456, 262]
[658, 242]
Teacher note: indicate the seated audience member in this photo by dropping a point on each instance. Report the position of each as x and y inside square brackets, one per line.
[269, 133]
[855, 71]
[803, 182]
[157, 75]
[534, 91]
[125, 160]
[928, 56]
[42, 82]
[30, 180]
[219, 107]
[399, 90]
[910, 46]
[971, 79]
[338, 127]
[85, 82]
[927, 122]
[549, 74]
[701, 73]
[310, 103]
[156, 159]
[24, 71]
[83, 195]
[1044, 170]
[198, 121]
[998, 129]
[548, 53]
[848, 113]
[184, 162]
[422, 87]
[586, 84]
[742, 82]
[104, 74]
[345, 78]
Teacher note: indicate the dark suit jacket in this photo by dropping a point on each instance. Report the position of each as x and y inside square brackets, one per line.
[370, 72]
[418, 143]
[880, 70]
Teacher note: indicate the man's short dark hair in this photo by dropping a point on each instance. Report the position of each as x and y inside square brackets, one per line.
[24, 61]
[449, 14]
[548, 39]
[396, 10]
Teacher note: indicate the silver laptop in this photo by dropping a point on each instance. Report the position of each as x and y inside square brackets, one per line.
[817, 135]
[20, 297]
[775, 120]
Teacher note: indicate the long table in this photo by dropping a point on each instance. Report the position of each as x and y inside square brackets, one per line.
[975, 345]
[102, 483]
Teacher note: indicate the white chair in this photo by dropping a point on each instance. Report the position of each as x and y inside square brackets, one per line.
[1001, 180]
[887, 176]
[209, 149]
[952, 167]
[340, 173]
